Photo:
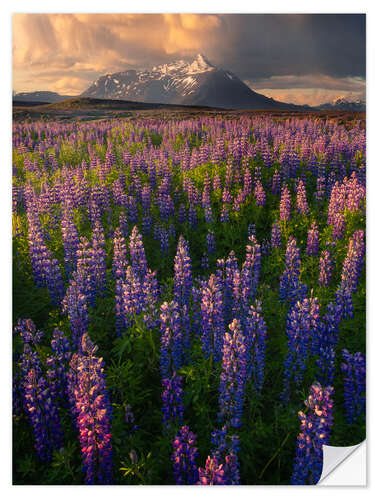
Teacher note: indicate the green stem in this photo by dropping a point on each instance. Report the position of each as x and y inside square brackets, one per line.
[274, 456]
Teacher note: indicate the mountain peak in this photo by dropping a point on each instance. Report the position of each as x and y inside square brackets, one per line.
[201, 63]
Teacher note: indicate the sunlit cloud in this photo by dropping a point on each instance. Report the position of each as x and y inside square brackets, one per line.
[287, 55]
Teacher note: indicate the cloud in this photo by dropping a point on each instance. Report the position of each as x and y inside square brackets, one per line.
[68, 51]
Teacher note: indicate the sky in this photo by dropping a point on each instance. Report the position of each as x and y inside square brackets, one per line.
[299, 58]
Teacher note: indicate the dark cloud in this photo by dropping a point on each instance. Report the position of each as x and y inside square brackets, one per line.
[68, 51]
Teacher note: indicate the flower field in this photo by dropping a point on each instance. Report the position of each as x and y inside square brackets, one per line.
[188, 299]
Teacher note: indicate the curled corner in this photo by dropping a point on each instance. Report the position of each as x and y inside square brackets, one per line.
[344, 465]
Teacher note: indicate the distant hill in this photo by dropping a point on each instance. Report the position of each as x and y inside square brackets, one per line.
[196, 83]
[40, 96]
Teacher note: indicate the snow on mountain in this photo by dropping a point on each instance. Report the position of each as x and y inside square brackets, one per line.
[182, 82]
[343, 103]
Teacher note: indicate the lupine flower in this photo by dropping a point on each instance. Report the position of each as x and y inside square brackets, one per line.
[225, 451]
[184, 457]
[75, 305]
[28, 332]
[260, 195]
[285, 203]
[183, 279]
[171, 346]
[93, 410]
[250, 271]
[302, 205]
[275, 235]
[172, 406]
[354, 374]
[212, 319]
[233, 376]
[213, 473]
[325, 268]
[57, 364]
[290, 287]
[255, 333]
[312, 246]
[302, 326]
[211, 247]
[316, 425]
[44, 418]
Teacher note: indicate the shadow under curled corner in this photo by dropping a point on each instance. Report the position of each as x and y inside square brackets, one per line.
[344, 465]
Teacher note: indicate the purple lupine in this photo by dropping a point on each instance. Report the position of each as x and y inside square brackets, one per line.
[316, 426]
[233, 376]
[57, 364]
[120, 261]
[28, 332]
[225, 451]
[353, 262]
[302, 327]
[276, 183]
[204, 262]
[172, 406]
[213, 473]
[185, 470]
[285, 203]
[75, 305]
[312, 246]
[354, 375]
[43, 414]
[211, 246]
[275, 235]
[302, 205]
[338, 223]
[70, 241]
[255, 333]
[137, 253]
[183, 278]
[98, 264]
[93, 411]
[260, 194]
[171, 342]
[325, 268]
[212, 318]
[291, 288]
[250, 271]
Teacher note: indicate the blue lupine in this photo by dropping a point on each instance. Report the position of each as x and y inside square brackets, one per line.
[57, 364]
[212, 318]
[171, 342]
[211, 246]
[28, 332]
[233, 376]
[354, 374]
[184, 457]
[225, 450]
[250, 271]
[172, 406]
[75, 305]
[291, 288]
[183, 279]
[303, 325]
[255, 333]
[43, 414]
[316, 425]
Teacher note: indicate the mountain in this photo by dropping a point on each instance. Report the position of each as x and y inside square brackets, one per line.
[344, 104]
[40, 96]
[198, 83]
